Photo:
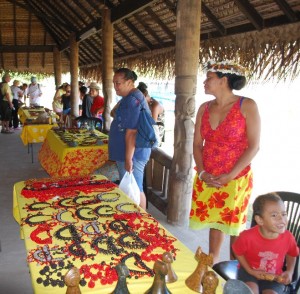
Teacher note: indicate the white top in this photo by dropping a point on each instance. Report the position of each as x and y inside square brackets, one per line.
[16, 91]
[34, 94]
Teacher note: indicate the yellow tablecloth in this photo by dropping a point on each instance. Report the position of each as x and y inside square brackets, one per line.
[82, 219]
[58, 159]
[29, 113]
[35, 133]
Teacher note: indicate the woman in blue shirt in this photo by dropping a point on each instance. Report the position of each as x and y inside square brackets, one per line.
[124, 128]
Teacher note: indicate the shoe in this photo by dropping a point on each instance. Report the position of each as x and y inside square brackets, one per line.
[18, 128]
[2, 131]
[8, 132]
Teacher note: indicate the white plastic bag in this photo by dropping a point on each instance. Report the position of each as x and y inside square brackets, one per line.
[129, 186]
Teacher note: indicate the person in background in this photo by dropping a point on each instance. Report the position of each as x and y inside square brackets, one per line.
[24, 89]
[157, 111]
[86, 102]
[226, 139]
[17, 96]
[57, 105]
[66, 102]
[6, 104]
[122, 135]
[261, 250]
[34, 92]
[98, 101]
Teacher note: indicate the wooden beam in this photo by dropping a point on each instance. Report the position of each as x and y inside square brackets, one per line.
[161, 23]
[127, 38]
[288, 11]
[149, 30]
[15, 34]
[120, 46]
[28, 37]
[211, 17]
[138, 34]
[128, 8]
[246, 8]
[26, 48]
[38, 14]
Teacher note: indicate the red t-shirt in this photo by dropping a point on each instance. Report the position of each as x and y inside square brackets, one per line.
[98, 103]
[265, 254]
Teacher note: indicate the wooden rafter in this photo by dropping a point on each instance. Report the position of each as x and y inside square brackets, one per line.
[161, 24]
[26, 48]
[213, 19]
[250, 12]
[288, 11]
[15, 34]
[126, 38]
[149, 30]
[127, 8]
[138, 34]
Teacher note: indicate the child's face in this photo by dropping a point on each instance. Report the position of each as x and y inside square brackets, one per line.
[273, 220]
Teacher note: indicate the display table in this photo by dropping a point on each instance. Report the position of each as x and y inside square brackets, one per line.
[35, 133]
[30, 113]
[89, 223]
[59, 159]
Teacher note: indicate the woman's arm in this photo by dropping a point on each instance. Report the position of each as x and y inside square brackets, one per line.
[156, 109]
[130, 148]
[198, 140]
[113, 111]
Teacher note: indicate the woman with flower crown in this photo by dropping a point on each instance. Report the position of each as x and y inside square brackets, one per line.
[226, 139]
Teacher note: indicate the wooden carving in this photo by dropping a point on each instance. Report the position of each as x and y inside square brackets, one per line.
[123, 273]
[195, 279]
[210, 282]
[72, 279]
[159, 283]
[171, 276]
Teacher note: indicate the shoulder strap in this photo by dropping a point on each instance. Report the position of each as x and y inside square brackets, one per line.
[241, 101]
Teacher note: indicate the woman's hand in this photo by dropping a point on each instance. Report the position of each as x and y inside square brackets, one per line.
[210, 180]
[129, 166]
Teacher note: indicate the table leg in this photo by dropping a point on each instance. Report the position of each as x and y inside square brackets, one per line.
[28, 147]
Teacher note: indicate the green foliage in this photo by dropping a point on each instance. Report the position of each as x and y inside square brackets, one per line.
[24, 77]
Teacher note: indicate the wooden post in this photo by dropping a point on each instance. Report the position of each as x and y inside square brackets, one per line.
[74, 75]
[107, 65]
[57, 67]
[186, 69]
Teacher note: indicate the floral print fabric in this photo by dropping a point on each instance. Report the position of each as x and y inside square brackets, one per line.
[224, 208]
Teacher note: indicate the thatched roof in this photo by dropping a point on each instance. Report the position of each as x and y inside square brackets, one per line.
[260, 34]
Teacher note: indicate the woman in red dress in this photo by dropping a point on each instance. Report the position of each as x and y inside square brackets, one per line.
[226, 139]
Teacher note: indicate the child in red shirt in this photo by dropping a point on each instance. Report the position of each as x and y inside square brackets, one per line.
[262, 249]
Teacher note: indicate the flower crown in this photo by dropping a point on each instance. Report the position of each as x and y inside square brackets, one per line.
[225, 66]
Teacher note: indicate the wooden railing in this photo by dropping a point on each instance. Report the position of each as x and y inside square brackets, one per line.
[157, 179]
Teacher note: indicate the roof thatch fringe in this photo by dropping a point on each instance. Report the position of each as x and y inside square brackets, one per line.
[268, 54]
[157, 64]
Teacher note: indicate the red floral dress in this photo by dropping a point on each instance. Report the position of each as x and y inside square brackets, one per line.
[225, 208]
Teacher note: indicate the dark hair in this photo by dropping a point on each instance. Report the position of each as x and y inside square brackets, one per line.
[260, 202]
[235, 82]
[143, 88]
[83, 89]
[128, 74]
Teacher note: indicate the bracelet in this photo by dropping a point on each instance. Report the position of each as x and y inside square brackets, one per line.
[200, 175]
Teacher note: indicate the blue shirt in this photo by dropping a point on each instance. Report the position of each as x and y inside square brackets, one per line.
[127, 117]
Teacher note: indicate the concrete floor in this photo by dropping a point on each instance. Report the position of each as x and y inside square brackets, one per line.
[16, 166]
